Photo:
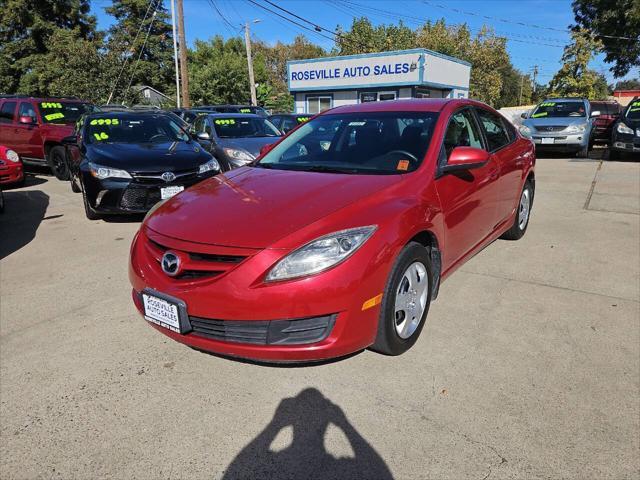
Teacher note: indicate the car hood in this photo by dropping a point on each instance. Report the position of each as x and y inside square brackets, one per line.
[555, 121]
[166, 156]
[250, 144]
[255, 207]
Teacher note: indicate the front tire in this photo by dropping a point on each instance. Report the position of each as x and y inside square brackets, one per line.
[57, 161]
[88, 211]
[583, 152]
[405, 301]
[523, 213]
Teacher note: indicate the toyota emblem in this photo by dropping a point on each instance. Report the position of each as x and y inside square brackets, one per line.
[170, 264]
[168, 176]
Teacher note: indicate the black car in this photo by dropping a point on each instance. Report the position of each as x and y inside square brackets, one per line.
[186, 114]
[285, 122]
[126, 162]
[235, 109]
[625, 136]
[234, 139]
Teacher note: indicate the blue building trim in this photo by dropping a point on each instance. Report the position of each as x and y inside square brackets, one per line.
[379, 54]
[391, 85]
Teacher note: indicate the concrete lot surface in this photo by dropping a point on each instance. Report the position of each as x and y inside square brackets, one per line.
[528, 367]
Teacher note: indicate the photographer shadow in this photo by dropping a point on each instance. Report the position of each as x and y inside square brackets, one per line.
[309, 414]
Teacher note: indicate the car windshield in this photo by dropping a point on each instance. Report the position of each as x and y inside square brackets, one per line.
[134, 129]
[633, 112]
[368, 143]
[62, 112]
[552, 109]
[241, 127]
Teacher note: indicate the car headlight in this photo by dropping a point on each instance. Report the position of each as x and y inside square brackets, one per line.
[320, 254]
[525, 131]
[238, 157]
[622, 128]
[576, 128]
[12, 156]
[211, 165]
[101, 172]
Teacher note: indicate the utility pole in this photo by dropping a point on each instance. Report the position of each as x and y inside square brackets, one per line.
[175, 52]
[247, 43]
[184, 74]
[521, 85]
[535, 74]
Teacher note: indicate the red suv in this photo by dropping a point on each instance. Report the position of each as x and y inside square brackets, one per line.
[609, 113]
[338, 237]
[34, 128]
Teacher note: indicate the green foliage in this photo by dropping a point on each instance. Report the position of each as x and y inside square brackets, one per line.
[612, 18]
[630, 84]
[156, 65]
[363, 37]
[575, 79]
[27, 28]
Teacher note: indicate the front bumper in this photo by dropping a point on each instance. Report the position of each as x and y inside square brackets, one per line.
[625, 142]
[559, 141]
[235, 294]
[11, 173]
[124, 196]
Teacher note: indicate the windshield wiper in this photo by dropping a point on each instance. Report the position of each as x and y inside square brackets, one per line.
[327, 169]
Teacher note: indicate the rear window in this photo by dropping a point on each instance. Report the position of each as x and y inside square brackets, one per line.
[242, 127]
[8, 112]
[62, 112]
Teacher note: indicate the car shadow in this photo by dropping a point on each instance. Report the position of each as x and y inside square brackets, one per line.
[280, 364]
[23, 213]
[137, 218]
[309, 415]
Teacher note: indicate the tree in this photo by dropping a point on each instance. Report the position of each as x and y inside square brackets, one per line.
[363, 37]
[26, 31]
[575, 79]
[630, 84]
[218, 71]
[607, 21]
[155, 67]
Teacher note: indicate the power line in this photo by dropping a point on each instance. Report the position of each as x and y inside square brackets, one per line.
[221, 15]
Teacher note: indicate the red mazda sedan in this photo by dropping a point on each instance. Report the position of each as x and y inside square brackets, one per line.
[11, 170]
[338, 237]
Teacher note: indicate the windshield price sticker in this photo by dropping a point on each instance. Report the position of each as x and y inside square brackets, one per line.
[541, 114]
[245, 110]
[54, 116]
[105, 121]
[51, 105]
[225, 121]
[548, 104]
[101, 136]
[303, 119]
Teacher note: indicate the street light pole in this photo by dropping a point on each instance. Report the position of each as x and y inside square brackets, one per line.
[175, 52]
[184, 74]
[247, 43]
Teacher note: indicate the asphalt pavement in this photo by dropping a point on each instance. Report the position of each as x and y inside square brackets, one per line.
[528, 366]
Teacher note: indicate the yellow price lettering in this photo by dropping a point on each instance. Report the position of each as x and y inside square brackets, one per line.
[101, 136]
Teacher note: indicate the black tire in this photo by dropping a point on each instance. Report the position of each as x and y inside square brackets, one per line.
[388, 341]
[1, 202]
[583, 152]
[89, 212]
[516, 232]
[74, 185]
[57, 160]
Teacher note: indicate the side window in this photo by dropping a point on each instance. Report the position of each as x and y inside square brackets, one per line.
[462, 131]
[497, 136]
[207, 127]
[198, 125]
[287, 124]
[26, 110]
[275, 121]
[8, 112]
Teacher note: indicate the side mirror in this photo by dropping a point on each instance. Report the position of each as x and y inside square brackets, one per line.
[203, 136]
[465, 158]
[523, 115]
[595, 113]
[27, 120]
[71, 140]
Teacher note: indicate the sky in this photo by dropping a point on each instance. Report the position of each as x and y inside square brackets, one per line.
[539, 42]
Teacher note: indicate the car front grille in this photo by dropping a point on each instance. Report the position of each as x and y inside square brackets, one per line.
[199, 265]
[550, 128]
[139, 198]
[265, 332]
[155, 178]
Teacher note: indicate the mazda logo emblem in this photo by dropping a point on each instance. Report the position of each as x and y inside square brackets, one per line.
[168, 177]
[170, 264]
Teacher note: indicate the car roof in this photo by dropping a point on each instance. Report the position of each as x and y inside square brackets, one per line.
[232, 115]
[407, 105]
[565, 99]
[291, 115]
[129, 113]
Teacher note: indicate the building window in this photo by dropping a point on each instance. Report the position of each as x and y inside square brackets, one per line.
[376, 96]
[147, 93]
[318, 104]
[382, 96]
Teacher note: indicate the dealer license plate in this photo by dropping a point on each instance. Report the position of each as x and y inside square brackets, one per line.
[548, 140]
[161, 312]
[168, 192]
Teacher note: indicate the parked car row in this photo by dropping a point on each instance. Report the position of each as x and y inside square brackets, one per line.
[573, 125]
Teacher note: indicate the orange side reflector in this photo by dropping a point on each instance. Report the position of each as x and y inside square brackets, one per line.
[372, 302]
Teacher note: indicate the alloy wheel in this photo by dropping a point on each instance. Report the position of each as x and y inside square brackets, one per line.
[411, 299]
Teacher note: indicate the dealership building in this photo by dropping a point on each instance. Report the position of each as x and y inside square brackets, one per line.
[320, 83]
